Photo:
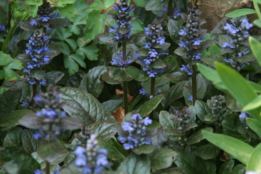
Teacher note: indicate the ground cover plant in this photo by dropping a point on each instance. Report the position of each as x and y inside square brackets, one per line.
[135, 87]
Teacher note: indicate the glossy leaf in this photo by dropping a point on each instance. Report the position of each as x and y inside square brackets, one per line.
[255, 160]
[241, 12]
[162, 158]
[137, 74]
[240, 150]
[13, 118]
[144, 149]
[81, 105]
[255, 125]
[150, 105]
[198, 136]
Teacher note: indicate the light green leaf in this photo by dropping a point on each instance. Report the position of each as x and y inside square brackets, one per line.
[238, 149]
[255, 160]
[241, 12]
[64, 48]
[255, 125]
[91, 52]
[71, 65]
[255, 46]
[72, 43]
[68, 11]
[109, 3]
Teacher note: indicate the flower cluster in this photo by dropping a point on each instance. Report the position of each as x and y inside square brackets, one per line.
[123, 19]
[145, 93]
[136, 132]
[154, 38]
[118, 60]
[242, 117]
[176, 13]
[50, 112]
[191, 34]
[45, 13]
[237, 31]
[36, 49]
[181, 118]
[91, 159]
[217, 104]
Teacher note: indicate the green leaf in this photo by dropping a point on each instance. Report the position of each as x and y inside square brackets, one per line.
[255, 125]
[242, 92]
[13, 138]
[113, 152]
[68, 11]
[162, 83]
[158, 64]
[137, 74]
[255, 160]
[52, 151]
[53, 77]
[17, 84]
[165, 120]
[119, 74]
[241, 12]
[198, 136]
[135, 164]
[91, 81]
[16, 161]
[105, 129]
[207, 151]
[63, 34]
[72, 43]
[12, 118]
[91, 52]
[255, 46]
[173, 94]
[227, 167]
[70, 63]
[106, 77]
[174, 27]
[112, 105]
[96, 22]
[193, 164]
[209, 73]
[162, 158]
[140, 3]
[253, 104]
[144, 149]
[64, 48]
[82, 105]
[150, 105]
[238, 149]
[109, 3]
[257, 22]
[9, 99]
[155, 5]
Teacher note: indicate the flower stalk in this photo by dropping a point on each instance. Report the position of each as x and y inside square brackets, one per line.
[194, 83]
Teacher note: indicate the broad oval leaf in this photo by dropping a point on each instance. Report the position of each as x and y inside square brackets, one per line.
[162, 158]
[150, 105]
[255, 160]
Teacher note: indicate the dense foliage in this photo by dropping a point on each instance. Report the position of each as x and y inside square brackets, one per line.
[133, 87]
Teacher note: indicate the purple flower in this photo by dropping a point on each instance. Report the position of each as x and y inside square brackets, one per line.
[147, 31]
[245, 24]
[176, 13]
[32, 81]
[45, 18]
[37, 135]
[197, 42]
[122, 139]
[197, 56]
[42, 82]
[147, 60]
[231, 28]
[182, 44]
[183, 32]
[153, 53]
[147, 45]
[55, 15]
[79, 151]
[136, 116]
[187, 69]
[114, 29]
[229, 60]
[127, 126]
[2, 28]
[26, 71]
[190, 98]
[25, 104]
[33, 22]
[165, 9]
[128, 146]
[152, 73]
[146, 121]
[161, 40]
[102, 158]
[143, 92]
[30, 65]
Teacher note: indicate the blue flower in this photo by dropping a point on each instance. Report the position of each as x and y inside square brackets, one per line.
[182, 44]
[197, 56]
[147, 45]
[2, 28]
[231, 28]
[143, 92]
[38, 171]
[165, 9]
[196, 42]
[128, 146]
[183, 32]
[146, 121]
[33, 22]
[245, 24]
[190, 98]
[147, 31]
[176, 13]
[127, 126]
[147, 60]
[152, 73]
[229, 60]
[161, 40]
[114, 29]
[55, 15]
[187, 69]
[122, 139]
[136, 116]
[26, 71]
[45, 18]
[228, 44]
[31, 81]
[153, 53]
[42, 82]
[37, 135]
[118, 60]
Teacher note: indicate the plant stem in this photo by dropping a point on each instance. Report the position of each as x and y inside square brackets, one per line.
[194, 83]
[257, 9]
[47, 167]
[83, 130]
[8, 37]
[9, 16]
[34, 93]
[125, 83]
[17, 50]
[170, 9]
[152, 86]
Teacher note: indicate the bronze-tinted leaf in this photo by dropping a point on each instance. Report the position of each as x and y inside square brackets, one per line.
[69, 123]
[17, 84]
[31, 121]
[58, 23]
